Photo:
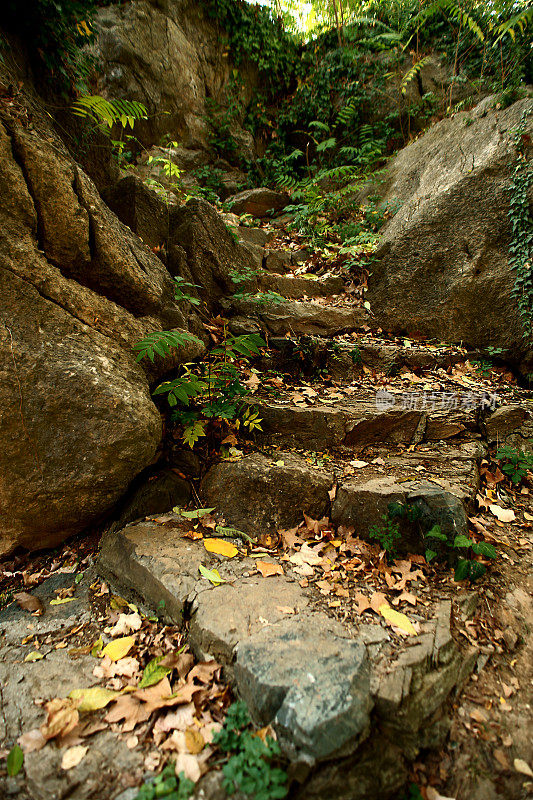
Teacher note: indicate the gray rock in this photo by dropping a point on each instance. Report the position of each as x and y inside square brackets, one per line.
[278, 261]
[311, 684]
[78, 289]
[300, 286]
[257, 236]
[440, 268]
[258, 202]
[202, 251]
[300, 318]
[258, 494]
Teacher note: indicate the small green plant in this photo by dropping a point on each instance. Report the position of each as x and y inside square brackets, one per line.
[212, 389]
[168, 785]
[387, 534]
[180, 293]
[250, 760]
[466, 567]
[516, 463]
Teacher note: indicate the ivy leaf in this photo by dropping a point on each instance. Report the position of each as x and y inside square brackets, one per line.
[462, 541]
[430, 555]
[484, 549]
[436, 533]
[15, 760]
[462, 570]
[153, 673]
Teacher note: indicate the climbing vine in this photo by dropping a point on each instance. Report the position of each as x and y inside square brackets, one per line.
[521, 247]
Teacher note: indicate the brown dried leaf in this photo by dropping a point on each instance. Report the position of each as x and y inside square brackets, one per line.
[62, 717]
[28, 602]
[267, 569]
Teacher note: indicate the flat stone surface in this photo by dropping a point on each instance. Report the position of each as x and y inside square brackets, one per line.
[267, 492]
[294, 286]
[310, 683]
[303, 318]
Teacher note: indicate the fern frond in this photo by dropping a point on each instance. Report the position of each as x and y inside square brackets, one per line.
[412, 73]
[161, 343]
[520, 21]
[109, 112]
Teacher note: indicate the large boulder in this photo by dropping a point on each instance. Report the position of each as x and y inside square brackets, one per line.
[258, 202]
[168, 55]
[442, 267]
[78, 289]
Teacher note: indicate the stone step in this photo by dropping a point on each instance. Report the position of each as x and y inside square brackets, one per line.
[272, 492]
[367, 418]
[340, 697]
[296, 318]
[344, 360]
[295, 286]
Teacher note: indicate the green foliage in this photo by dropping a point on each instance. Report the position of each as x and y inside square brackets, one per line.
[109, 112]
[180, 293]
[253, 34]
[56, 33]
[521, 246]
[161, 343]
[516, 463]
[167, 785]
[209, 389]
[387, 534]
[15, 760]
[250, 760]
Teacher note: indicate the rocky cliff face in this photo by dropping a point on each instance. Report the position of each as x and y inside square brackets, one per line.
[78, 290]
[169, 56]
[442, 268]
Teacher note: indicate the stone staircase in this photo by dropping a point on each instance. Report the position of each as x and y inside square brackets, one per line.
[352, 702]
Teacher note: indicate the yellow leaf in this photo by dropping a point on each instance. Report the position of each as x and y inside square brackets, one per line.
[212, 575]
[397, 619]
[118, 648]
[34, 656]
[221, 547]
[94, 698]
[60, 600]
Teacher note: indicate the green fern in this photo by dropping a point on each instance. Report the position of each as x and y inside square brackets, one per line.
[412, 73]
[109, 112]
[455, 11]
[162, 342]
[520, 21]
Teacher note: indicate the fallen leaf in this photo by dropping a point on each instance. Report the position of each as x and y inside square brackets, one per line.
[359, 464]
[363, 602]
[501, 758]
[125, 667]
[180, 719]
[118, 648]
[523, 767]
[377, 600]
[188, 764]
[59, 601]
[32, 740]
[28, 602]
[73, 756]
[153, 673]
[129, 709]
[94, 698]
[62, 717]
[221, 547]
[15, 760]
[267, 569]
[34, 656]
[194, 740]
[212, 575]
[397, 619]
[432, 794]
[503, 514]
[125, 624]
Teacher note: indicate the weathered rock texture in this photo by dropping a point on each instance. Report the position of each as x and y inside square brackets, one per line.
[442, 268]
[78, 290]
[167, 55]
